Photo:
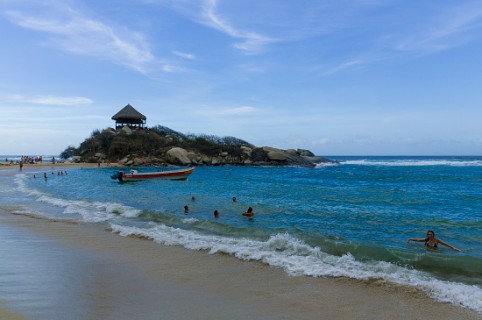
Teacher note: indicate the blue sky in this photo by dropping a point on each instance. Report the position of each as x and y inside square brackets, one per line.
[364, 77]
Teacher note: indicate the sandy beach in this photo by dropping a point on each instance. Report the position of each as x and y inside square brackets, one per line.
[52, 166]
[65, 270]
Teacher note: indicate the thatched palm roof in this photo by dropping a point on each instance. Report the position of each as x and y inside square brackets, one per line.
[128, 113]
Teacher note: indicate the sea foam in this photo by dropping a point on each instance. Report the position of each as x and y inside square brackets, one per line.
[297, 258]
[89, 211]
[414, 163]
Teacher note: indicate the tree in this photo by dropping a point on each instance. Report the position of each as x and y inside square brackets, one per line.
[68, 152]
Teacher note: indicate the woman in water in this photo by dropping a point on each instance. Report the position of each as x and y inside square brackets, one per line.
[432, 242]
[249, 213]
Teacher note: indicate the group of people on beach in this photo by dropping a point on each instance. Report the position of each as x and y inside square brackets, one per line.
[248, 213]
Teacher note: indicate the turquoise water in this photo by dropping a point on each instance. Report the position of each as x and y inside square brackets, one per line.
[351, 219]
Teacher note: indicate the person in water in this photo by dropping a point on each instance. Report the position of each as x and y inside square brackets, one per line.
[186, 209]
[249, 213]
[216, 213]
[432, 242]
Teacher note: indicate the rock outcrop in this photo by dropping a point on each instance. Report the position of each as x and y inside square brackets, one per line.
[178, 156]
[264, 156]
[165, 146]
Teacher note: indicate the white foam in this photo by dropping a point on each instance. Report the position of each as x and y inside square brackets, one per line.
[414, 163]
[190, 220]
[90, 212]
[297, 258]
[326, 164]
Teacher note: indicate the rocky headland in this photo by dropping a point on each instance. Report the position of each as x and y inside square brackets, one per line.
[163, 146]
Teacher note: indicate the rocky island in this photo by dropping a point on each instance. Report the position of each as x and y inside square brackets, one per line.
[133, 144]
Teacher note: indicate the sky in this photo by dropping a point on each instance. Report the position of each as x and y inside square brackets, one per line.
[337, 77]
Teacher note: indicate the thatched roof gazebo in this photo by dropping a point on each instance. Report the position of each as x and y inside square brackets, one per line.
[130, 117]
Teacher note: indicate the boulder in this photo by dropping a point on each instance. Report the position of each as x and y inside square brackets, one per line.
[205, 159]
[193, 157]
[138, 161]
[126, 130]
[277, 154]
[124, 160]
[246, 150]
[292, 152]
[100, 155]
[178, 155]
[259, 155]
[305, 153]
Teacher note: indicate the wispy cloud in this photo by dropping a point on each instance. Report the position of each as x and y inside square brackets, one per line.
[344, 66]
[49, 100]
[207, 13]
[185, 55]
[238, 111]
[74, 32]
[251, 42]
[448, 28]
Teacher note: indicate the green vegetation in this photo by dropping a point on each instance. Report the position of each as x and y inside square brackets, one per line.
[151, 142]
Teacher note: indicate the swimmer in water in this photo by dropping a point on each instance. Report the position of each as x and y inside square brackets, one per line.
[432, 242]
[249, 213]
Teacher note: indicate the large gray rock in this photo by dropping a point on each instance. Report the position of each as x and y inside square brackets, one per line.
[193, 157]
[305, 153]
[292, 152]
[259, 155]
[100, 155]
[178, 155]
[275, 154]
[127, 130]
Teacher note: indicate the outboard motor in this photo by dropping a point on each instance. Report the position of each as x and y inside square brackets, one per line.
[116, 175]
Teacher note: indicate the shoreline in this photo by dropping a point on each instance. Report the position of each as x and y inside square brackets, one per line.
[138, 277]
[53, 166]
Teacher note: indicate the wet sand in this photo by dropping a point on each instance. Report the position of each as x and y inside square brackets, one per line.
[66, 270]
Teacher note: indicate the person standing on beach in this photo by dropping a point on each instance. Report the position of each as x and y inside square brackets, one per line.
[432, 242]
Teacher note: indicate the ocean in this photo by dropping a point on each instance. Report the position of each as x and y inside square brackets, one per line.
[350, 219]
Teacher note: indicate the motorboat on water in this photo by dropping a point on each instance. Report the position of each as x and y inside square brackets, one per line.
[134, 175]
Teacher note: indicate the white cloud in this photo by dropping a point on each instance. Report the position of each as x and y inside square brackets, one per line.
[244, 110]
[252, 42]
[344, 66]
[74, 32]
[445, 29]
[49, 100]
[238, 111]
[185, 55]
[169, 68]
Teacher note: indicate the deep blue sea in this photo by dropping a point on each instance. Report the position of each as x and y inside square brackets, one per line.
[350, 220]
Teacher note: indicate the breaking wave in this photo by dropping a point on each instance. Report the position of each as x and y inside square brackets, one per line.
[297, 259]
[414, 163]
